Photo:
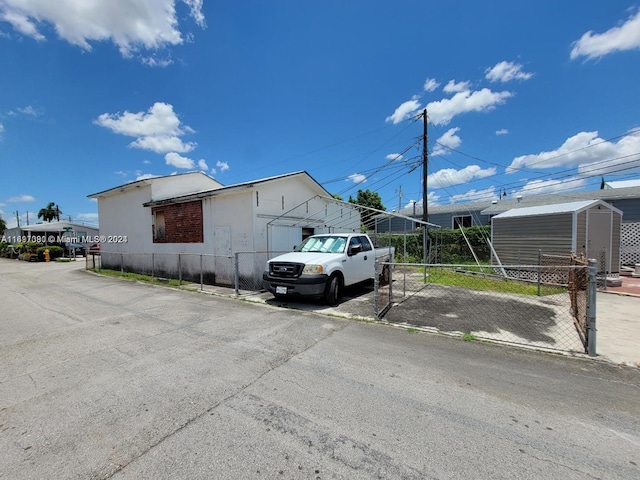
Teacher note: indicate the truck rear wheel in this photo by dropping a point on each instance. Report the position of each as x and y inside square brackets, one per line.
[332, 292]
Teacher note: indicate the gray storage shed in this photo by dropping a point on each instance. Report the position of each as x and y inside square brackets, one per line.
[591, 227]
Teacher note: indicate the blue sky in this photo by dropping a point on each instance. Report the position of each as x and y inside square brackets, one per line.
[522, 97]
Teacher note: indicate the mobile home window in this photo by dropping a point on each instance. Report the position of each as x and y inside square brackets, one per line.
[461, 221]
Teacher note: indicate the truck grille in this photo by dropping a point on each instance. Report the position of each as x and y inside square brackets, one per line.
[286, 269]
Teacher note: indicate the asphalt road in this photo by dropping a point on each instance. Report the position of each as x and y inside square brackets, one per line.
[103, 378]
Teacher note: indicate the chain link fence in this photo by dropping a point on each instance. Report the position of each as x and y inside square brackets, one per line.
[241, 271]
[541, 306]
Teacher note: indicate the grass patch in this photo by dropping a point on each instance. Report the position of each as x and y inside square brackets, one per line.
[412, 330]
[137, 277]
[468, 337]
[481, 282]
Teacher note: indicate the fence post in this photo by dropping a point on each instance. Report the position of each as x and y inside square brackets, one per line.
[121, 263]
[376, 291]
[179, 270]
[539, 269]
[201, 274]
[591, 307]
[153, 265]
[236, 272]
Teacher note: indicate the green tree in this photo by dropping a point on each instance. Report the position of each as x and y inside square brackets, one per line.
[50, 212]
[337, 197]
[368, 199]
[3, 225]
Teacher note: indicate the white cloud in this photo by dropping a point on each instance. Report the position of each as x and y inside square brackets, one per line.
[442, 112]
[1, 130]
[160, 119]
[432, 199]
[130, 24]
[357, 178]
[502, 131]
[202, 165]
[144, 176]
[506, 71]
[162, 144]
[581, 149]
[154, 61]
[22, 198]
[146, 162]
[474, 195]
[29, 110]
[175, 160]
[404, 111]
[394, 157]
[430, 84]
[448, 177]
[453, 87]
[447, 141]
[158, 129]
[223, 166]
[538, 187]
[623, 37]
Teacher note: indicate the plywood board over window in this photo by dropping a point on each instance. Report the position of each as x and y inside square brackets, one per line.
[158, 226]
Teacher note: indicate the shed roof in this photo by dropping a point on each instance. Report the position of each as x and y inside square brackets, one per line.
[554, 209]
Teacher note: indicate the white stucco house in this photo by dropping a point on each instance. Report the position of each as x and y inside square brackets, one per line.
[208, 223]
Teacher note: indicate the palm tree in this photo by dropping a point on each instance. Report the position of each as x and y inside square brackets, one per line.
[50, 212]
[3, 225]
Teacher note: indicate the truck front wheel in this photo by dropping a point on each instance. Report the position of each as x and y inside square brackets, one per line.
[332, 292]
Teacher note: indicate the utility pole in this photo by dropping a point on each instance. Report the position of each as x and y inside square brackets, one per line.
[425, 163]
[399, 198]
[18, 218]
[27, 217]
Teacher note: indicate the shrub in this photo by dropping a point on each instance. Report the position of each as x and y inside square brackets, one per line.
[447, 245]
[54, 252]
[29, 247]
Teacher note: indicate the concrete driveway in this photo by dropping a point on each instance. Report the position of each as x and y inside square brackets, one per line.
[103, 378]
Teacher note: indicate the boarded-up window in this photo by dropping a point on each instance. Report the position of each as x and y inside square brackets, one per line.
[178, 223]
[159, 228]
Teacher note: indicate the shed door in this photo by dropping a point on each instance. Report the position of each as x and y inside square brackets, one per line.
[599, 228]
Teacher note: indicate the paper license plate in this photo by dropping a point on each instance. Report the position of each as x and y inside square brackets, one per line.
[281, 290]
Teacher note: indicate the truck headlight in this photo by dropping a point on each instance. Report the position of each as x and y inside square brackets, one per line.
[312, 269]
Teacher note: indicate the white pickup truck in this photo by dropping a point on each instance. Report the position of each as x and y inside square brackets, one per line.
[322, 265]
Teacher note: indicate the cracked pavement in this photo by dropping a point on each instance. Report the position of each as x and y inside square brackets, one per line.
[103, 378]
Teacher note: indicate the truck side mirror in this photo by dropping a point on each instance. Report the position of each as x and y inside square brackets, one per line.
[355, 249]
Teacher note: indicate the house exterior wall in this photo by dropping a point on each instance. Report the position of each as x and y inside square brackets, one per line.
[517, 240]
[176, 185]
[123, 214]
[630, 207]
[444, 220]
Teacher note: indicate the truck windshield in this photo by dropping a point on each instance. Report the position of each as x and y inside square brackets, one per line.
[328, 244]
